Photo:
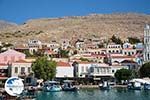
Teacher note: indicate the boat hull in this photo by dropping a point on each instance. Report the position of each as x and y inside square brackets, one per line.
[146, 86]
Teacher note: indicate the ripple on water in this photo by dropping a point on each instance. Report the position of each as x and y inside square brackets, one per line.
[95, 94]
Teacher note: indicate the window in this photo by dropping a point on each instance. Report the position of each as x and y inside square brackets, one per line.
[129, 54]
[113, 71]
[87, 69]
[22, 70]
[91, 69]
[29, 69]
[97, 70]
[16, 69]
[82, 68]
[125, 53]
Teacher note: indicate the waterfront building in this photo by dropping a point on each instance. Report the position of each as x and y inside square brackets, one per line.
[20, 68]
[3, 72]
[117, 66]
[81, 69]
[100, 70]
[64, 70]
[147, 43]
[104, 71]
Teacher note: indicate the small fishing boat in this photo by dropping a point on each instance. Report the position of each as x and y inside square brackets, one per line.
[68, 86]
[134, 86]
[104, 86]
[52, 86]
[146, 86]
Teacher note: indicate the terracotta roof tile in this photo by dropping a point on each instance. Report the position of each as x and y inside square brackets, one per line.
[64, 64]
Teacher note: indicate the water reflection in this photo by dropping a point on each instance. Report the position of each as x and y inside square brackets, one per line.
[96, 94]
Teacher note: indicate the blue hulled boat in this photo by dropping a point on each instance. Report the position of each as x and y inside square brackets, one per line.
[52, 86]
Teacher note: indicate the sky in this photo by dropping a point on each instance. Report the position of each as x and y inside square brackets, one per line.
[19, 11]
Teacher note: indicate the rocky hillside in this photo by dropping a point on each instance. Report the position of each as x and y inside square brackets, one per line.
[103, 25]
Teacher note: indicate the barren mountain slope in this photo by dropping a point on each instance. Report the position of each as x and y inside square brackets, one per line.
[105, 25]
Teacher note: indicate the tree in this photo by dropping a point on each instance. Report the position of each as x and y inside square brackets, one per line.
[44, 69]
[145, 70]
[133, 40]
[123, 74]
[116, 40]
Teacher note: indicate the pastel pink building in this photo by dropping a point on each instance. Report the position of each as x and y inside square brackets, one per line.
[10, 56]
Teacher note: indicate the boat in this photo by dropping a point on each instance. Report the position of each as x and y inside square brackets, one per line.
[68, 86]
[146, 86]
[52, 86]
[104, 86]
[134, 86]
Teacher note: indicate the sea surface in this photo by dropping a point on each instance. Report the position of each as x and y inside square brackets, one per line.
[96, 94]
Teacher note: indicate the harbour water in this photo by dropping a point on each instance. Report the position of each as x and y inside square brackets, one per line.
[96, 94]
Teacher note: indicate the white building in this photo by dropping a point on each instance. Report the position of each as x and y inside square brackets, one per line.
[100, 70]
[114, 48]
[79, 44]
[64, 69]
[115, 67]
[83, 68]
[104, 70]
[65, 43]
[147, 43]
[34, 45]
[129, 52]
[20, 68]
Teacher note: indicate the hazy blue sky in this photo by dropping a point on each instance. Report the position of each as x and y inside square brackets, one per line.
[20, 11]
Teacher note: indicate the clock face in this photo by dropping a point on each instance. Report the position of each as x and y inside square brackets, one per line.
[14, 86]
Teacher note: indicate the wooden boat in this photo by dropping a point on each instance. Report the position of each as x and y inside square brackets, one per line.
[52, 86]
[68, 86]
